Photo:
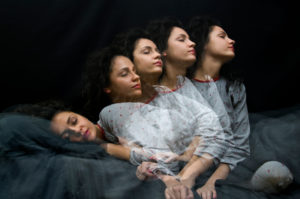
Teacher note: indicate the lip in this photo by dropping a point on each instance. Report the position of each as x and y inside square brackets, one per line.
[158, 63]
[86, 134]
[137, 86]
[193, 52]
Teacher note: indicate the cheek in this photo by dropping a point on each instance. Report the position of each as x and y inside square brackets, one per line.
[140, 67]
[143, 70]
[115, 88]
[124, 85]
[179, 50]
[76, 138]
[141, 64]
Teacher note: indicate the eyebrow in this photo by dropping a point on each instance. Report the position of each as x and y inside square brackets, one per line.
[69, 120]
[222, 32]
[124, 68]
[183, 35]
[146, 47]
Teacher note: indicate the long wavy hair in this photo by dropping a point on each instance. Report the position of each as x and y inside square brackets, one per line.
[199, 29]
[126, 41]
[160, 31]
[96, 77]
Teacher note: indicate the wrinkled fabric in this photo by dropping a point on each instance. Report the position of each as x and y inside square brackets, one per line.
[36, 163]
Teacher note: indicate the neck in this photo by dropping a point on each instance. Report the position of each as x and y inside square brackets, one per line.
[209, 66]
[172, 71]
[148, 91]
[99, 135]
[124, 100]
[149, 80]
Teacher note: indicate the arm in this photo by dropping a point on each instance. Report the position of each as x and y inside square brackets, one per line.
[221, 173]
[208, 189]
[241, 126]
[116, 150]
[188, 153]
[195, 167]
[168, 157]
[176, 189]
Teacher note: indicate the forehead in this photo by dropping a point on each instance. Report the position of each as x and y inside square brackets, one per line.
[120, 62]
[59, 121]
[62, 116]
[178, 31]
[145, 42]
[217, 29]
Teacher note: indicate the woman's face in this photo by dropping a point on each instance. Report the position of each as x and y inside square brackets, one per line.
[67, 120]
[180, 48]
[220, 46]
[147, 58]
[125, 84]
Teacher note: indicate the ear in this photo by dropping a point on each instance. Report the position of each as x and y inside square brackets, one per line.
[164, 53]
[107, 90]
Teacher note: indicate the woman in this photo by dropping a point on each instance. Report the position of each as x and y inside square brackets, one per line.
[145, 55]
[177, 49]
[214, 48]
[114, 116]
[73, 126]
[35, 162]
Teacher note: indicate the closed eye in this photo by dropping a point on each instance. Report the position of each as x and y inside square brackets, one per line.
[72, 120]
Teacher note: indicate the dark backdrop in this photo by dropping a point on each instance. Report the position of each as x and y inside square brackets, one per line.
[44, 43]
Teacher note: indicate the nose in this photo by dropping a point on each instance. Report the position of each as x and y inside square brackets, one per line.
[157, 55]
[135, 77]
[76, 129]
[231, 41]
[191, 43]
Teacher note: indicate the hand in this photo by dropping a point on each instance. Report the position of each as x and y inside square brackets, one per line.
[207, 191]
[123, 141]
[166, 157]
[188, 182]
[178, 191]
[144, 171]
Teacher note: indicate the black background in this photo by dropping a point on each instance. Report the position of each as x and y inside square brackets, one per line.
[44, 44]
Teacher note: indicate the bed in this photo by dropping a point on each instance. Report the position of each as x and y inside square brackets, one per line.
[35, 163]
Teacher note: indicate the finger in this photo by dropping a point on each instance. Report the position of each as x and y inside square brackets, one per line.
[150, 174]
[170, 159]
[214, 194]
[203, 195]
[208, 194]
[190, 194]
[153, 157]
[140, 176]
[152, 167]
[177, 191]
[183, 192]
[169, 193]
[145, 166]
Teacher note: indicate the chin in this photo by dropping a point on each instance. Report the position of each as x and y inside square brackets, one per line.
[190, 62]
[156, 73]
[228, 58]
[136, 95]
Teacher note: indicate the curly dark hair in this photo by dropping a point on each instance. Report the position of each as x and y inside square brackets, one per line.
[45, 109]
[161, 29]
[96, 77]
[126, 41]
[199, 28]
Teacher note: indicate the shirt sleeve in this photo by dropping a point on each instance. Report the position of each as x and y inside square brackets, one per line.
[213, 140]
[241, 126]
[105, 125]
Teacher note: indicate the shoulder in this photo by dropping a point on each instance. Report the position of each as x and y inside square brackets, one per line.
[234, 86]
